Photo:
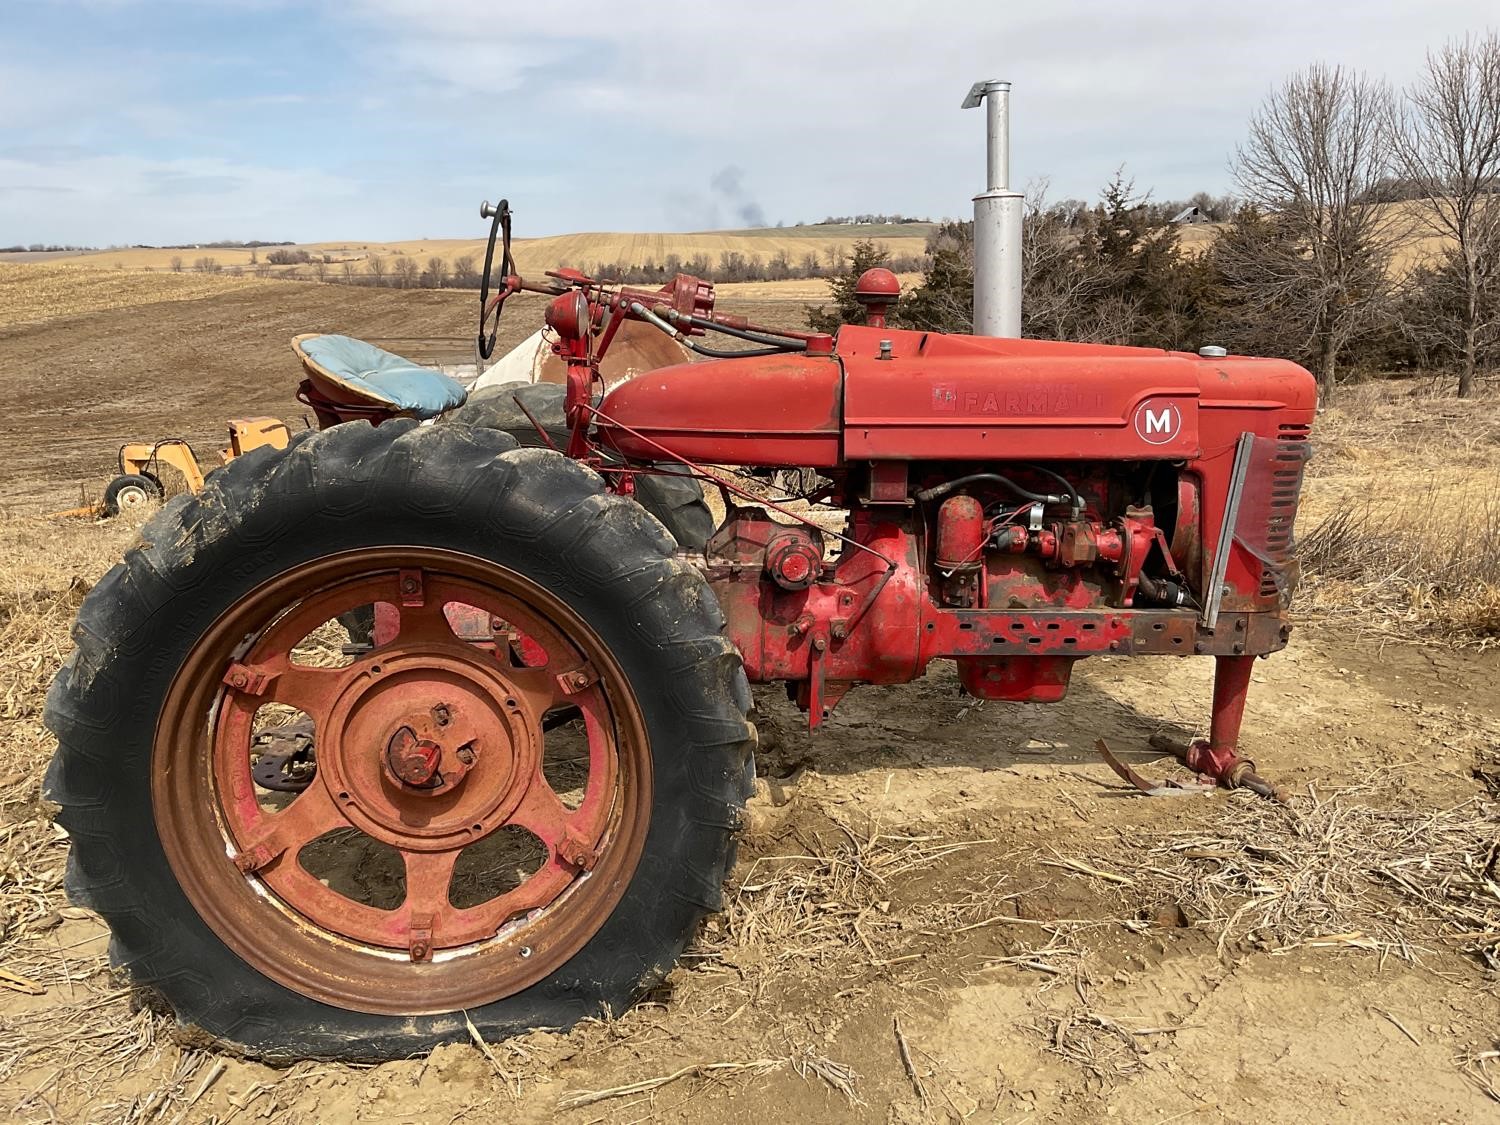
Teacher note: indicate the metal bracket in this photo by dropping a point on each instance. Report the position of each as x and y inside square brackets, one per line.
[576, 850]
[817, 666]
[412, 594]
[248, 679]
[1215, 589]
[253, 859]
[578, 679]
[419, 937]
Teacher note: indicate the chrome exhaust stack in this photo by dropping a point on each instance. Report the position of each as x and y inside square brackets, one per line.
[997, 221]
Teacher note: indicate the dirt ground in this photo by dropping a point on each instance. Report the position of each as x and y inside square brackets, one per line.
[943, 911]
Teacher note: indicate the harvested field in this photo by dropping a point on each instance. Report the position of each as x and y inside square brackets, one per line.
[943, 910]
[533, 255]
[32, 294]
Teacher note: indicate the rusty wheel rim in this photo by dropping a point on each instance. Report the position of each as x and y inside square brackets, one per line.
[428, 743]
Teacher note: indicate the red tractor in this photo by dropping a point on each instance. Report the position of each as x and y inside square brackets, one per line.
[1011, 505]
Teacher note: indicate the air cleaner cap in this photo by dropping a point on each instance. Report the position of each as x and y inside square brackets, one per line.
[877, 283]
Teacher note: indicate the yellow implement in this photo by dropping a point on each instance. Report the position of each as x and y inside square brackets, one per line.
[141, 463]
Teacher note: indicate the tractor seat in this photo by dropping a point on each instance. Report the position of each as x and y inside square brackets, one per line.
[356, 372]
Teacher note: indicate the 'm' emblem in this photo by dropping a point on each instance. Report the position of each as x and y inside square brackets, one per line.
[1157, 422]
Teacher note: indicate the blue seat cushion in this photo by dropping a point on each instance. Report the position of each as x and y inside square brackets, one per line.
[376, 375]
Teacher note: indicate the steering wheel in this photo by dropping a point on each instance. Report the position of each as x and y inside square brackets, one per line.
[500, 225]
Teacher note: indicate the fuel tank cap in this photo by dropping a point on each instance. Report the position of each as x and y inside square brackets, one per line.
[1213, 351]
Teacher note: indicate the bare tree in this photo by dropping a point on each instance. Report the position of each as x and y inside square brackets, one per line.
[436, 275]
[464, 273]
[1448, 147]
[1317, 148]
[320, 269]
[375, 267]
[407, 271]
[177, 263]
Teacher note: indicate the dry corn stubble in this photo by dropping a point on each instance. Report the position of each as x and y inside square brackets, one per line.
[1331, 870]
[30, 294]
[1400, 521]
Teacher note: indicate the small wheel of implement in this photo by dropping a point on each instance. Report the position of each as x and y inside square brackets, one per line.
[130, 492]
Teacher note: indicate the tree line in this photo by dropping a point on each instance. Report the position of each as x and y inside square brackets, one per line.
[1364, 235]
[404, 272]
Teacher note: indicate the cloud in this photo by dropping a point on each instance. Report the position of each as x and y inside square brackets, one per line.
[388, 118]
[90, 199]
[842, 106]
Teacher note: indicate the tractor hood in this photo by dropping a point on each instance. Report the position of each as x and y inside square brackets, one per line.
[777, 410]
[937, 397]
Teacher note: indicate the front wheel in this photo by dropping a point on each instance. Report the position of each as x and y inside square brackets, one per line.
[517, 803]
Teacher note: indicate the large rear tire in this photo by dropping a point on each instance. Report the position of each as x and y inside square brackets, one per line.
[670, 494]
[428, 745]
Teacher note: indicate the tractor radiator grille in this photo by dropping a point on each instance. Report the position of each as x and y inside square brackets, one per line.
[1286, 483]
[1290, 455]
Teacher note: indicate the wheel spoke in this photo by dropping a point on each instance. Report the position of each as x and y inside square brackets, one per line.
[312, 814]
[567, 836]
[538, 685]
[428, 910]
[311, 690]
[425, 623]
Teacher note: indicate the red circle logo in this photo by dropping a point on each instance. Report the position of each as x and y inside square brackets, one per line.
[1157, 422]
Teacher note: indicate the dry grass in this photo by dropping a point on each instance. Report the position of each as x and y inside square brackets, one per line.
[841, 1078]
[1400, 523]
[1335, 872]
[811, 290]
[32, 293]
[84, 1034]
[1409, 568]
[833, 902]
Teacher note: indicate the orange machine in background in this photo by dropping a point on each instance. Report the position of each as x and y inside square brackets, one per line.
[141, 462]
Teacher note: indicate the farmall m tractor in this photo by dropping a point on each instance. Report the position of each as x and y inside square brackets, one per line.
[522, 655]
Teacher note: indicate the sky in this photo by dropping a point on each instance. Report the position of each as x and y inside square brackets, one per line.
[175, 121]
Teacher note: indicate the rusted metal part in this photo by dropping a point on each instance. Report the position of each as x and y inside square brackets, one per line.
[1165, 788]
[284, 759]
[414, 761]
[1231, 771]
[428, 743]
[1023, 641]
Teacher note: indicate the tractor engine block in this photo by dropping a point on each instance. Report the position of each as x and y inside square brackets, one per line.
[1015, 592]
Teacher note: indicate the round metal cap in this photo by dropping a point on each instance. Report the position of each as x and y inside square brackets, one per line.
[1213, 351]
[877, 284]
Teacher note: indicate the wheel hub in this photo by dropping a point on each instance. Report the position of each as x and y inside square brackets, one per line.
[413, 762]
[429, 750]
